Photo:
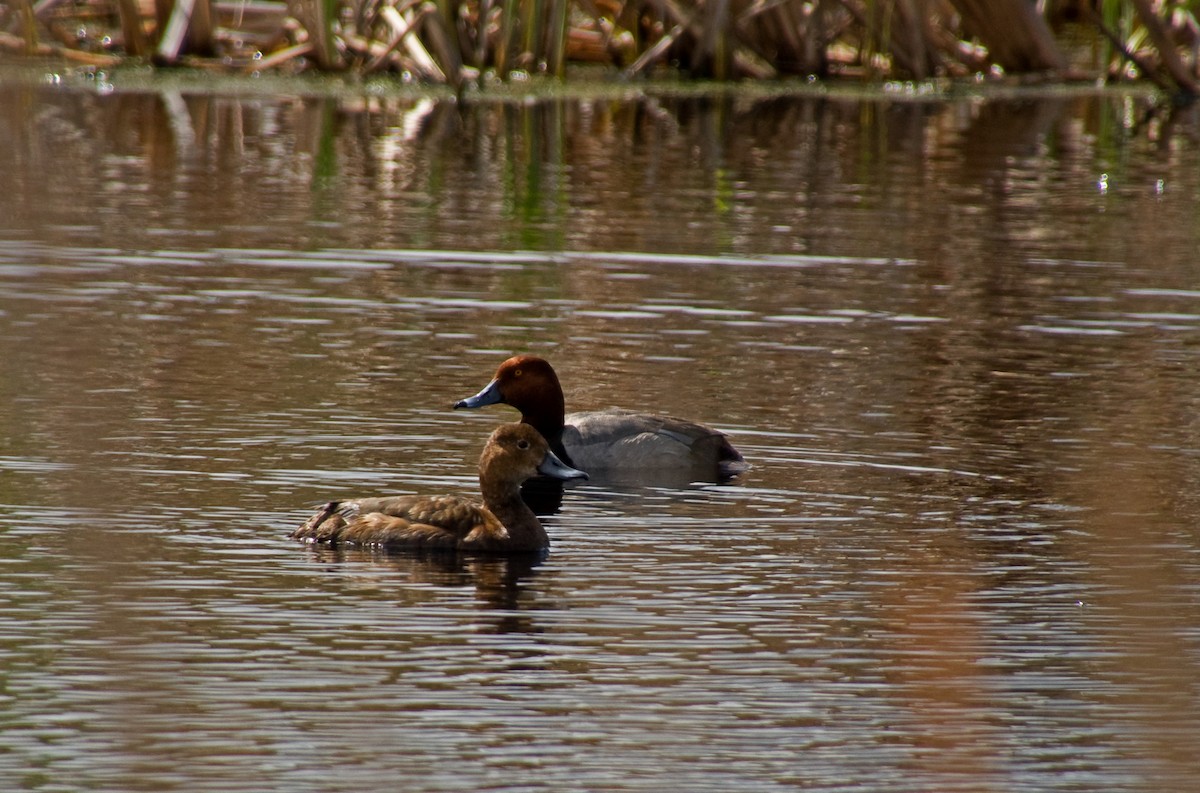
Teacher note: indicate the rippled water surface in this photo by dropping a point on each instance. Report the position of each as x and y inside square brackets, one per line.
[958, 341]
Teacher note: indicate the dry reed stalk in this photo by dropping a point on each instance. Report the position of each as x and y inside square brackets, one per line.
[910, 42]
[714, 56]
[401, 28]
[28, 26]
[479, 53]
[18, 44]
[747, 64]
[654, 53]
[502, 57]
[556, 43]
[280, 57]
[531, 23]
[589, 46]
[427, 67]
[132, 31]
[188, 29]
[320, 17]
[442, 45]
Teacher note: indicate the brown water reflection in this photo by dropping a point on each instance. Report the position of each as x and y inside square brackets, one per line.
[957, 341]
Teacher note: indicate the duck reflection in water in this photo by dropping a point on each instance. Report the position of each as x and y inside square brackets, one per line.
[502, 525]
[501, 583]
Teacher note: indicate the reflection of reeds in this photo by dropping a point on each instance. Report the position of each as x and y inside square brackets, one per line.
[455, 41]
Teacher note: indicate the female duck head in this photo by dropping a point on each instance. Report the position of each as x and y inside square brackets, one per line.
[517, 452]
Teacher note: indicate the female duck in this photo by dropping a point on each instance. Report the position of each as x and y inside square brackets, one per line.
[502, 525]
[606, 439]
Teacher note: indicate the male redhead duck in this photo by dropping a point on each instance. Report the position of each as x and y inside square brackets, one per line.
[606, 439]
[502, 525]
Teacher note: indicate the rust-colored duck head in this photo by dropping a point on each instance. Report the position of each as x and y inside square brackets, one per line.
[529, 384]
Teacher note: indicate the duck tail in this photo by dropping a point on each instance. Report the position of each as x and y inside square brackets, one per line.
[324, 523]
[730, 461]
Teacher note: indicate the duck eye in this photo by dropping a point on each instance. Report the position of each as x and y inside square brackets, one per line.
[516, 373]
[522, 444]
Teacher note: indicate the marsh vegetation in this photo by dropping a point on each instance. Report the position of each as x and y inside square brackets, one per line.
[459, 41]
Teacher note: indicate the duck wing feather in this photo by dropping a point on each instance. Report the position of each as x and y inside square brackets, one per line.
[616, 438]
[404, 522]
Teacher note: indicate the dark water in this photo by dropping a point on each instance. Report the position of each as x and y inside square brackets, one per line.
[958, 340]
